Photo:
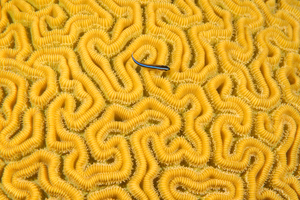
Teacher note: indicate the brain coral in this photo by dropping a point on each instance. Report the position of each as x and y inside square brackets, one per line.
[79, 119]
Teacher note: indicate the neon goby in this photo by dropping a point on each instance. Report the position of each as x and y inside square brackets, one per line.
[152, 66]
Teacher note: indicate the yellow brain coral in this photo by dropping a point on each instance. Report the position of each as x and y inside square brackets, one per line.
[80, 120]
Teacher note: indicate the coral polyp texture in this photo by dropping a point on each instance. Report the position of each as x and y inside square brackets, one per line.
[79, 119]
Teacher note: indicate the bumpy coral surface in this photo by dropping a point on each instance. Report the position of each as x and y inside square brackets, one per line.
[80, 120]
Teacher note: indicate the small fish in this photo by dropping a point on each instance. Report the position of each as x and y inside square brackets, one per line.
[153, 66]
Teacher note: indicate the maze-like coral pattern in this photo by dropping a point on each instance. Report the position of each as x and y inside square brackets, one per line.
[80, 120]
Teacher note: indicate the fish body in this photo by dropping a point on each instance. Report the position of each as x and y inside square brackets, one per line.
[152, 66]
